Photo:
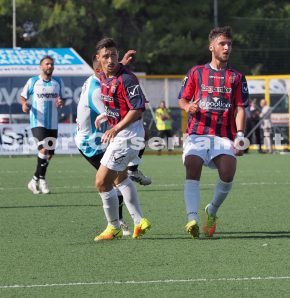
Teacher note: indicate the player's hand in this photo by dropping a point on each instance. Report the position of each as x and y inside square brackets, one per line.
[59, 103]
[128, 57]
[239, 144]
[192, 108]
[109, 135]
[25, 107]
[100, 119]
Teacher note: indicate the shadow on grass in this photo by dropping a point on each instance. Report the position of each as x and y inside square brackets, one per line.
[159, 189]
[226, 235]
[219, 236]
[255, 235]
[49, 206]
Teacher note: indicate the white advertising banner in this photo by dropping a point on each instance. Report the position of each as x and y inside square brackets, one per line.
[17, 139]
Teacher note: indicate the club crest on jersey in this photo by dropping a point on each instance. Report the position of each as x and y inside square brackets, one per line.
[113, 88]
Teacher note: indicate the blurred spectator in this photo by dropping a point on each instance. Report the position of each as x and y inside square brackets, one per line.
[266, 125]
[163, 121]
[252, 120]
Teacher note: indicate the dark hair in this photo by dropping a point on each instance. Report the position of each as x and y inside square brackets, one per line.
[94, 58]
[105, 43]
[46, 57]
[218, 31]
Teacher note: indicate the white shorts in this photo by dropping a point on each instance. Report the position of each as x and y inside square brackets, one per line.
[207, 148]
[125, 148]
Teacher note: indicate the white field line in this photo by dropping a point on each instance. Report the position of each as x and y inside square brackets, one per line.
[136, 282]
[155, 185]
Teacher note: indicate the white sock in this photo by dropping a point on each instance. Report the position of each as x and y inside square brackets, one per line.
[221, 191]
[111, 207]
[130, 197]
[191, 199]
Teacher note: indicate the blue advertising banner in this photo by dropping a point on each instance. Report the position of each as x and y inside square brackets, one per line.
[26, 61]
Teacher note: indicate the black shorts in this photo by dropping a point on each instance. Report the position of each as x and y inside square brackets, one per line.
[45, 138]
[95, 160]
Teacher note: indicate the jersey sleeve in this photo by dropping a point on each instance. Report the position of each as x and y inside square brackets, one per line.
[61, 89]
[133, 93]
[95, 101]
[242, 93]
[26, 91]
[188, 86]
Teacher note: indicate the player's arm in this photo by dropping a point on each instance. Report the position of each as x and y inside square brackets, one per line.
[132, 116]
[25, 106]
[241, 119]
[25, 93]
[241, 125]
[60, 100]
[187, 93]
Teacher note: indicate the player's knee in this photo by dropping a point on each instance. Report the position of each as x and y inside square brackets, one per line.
[227, 177]
[99, 184]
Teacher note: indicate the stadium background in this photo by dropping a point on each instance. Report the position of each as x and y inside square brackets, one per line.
[47, 247]
[166, 47]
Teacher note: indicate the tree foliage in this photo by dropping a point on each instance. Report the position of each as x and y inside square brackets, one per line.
[169, 36]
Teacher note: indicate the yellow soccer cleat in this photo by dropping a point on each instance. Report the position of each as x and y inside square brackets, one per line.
[210, 223]
[141, 228]
[193, 229]
[110, 233]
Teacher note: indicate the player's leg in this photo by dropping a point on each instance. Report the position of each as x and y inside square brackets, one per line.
[95, 161]
[129, 192]
[104, 182]
[193, 165]
[39, 134]
[45, 154]
[134, 173]
[123, 224]
[226, 165]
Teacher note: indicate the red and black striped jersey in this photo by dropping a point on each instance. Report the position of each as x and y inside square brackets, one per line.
[218, 93]
[120, 94]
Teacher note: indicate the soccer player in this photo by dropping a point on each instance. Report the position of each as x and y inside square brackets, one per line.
[124, 105]
[215, 96]
[88, 137]
[46, 93]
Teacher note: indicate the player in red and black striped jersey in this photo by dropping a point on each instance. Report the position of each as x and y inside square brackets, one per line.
[124, 105]
[216, 92]
[120, 94]
[215, 96]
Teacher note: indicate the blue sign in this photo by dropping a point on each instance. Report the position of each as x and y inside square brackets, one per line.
[25, 57]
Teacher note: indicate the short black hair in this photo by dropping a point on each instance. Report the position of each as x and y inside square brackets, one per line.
[218, 31]
[106, 42]
[94, 58]
[46, 57]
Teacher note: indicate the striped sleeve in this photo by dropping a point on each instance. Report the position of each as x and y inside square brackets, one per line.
[188, 86]
[241, 96]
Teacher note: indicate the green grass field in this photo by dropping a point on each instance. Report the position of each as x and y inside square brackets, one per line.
[47, 247]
